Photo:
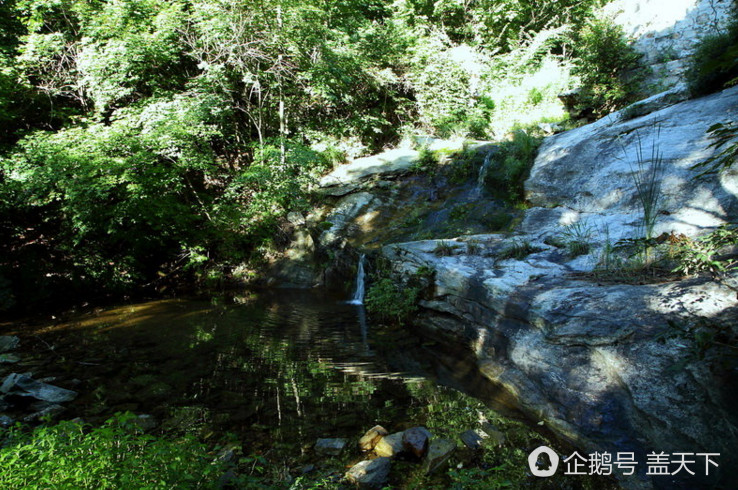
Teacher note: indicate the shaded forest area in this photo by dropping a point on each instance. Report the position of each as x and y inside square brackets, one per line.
[147, 143]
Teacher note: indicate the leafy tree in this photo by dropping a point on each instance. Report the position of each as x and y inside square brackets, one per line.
[608, 67]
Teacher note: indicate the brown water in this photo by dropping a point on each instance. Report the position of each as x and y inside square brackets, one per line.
[280, 367]
[276, 370]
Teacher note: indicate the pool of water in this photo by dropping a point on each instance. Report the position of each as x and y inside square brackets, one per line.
[294, 364]
[274, 370]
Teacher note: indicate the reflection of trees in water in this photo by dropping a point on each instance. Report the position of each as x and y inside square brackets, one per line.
[286, 367]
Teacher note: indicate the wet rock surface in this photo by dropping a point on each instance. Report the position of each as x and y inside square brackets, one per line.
[25, 386]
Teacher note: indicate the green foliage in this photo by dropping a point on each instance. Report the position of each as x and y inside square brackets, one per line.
[607, 66]
[577, 238]
[499, 25]
[390, 301]
[127, 190]
[441, 86]
[647, 176]
[714, 64]
[701, 254]
[510, 166]
[517, 250]
[141, 138]
[395, 301]
[115, 455]
[725, 136]
[426, 162]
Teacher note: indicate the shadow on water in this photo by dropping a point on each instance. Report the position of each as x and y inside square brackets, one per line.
[283, 366]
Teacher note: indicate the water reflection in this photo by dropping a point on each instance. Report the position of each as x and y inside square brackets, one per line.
[280, 367]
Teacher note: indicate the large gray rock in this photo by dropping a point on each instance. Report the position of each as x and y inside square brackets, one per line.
[22, 385]
[597, 361]
[346, 178]
[586, 174]
[330, 447]
[370, 474]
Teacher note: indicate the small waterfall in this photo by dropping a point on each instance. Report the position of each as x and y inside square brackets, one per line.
[358, 298]
[483, 173]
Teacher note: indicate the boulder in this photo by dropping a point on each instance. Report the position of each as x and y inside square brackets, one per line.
[415, 441]
[8, 343]
[438, 453]
[330, 447]
[372, 436]
[389, 446]
[473, 438]
[22, 385]
[370, 474]
[587, 173]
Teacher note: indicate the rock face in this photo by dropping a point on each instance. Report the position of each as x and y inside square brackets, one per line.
[667, 37]
[596, 360]
[587, 174]
[381, 199]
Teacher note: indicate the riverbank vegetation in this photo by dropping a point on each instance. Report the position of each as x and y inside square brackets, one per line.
[147, 144]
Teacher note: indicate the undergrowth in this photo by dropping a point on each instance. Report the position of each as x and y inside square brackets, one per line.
[115, 455]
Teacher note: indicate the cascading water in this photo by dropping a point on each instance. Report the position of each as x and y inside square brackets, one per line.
[483, 174]
[358, 298]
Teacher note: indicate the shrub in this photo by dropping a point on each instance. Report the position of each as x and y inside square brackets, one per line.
[607, 66]
[577, 238]
[714, 64]
[518, 250]
[444, 249]
[511, 165]
[390, 301]
[427, 160]
[115, 455]
[702, 254]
